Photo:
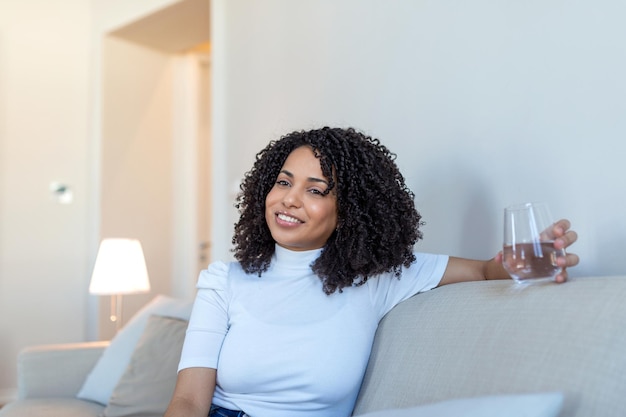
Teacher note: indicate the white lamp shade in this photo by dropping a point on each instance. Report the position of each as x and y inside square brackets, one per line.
[120, 268]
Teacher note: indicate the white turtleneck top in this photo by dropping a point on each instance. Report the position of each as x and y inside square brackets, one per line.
[281, 346]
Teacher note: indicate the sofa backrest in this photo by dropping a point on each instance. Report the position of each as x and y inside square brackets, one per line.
[497, 337]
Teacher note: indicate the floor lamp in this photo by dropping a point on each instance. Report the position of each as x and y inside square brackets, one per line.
[120, 269]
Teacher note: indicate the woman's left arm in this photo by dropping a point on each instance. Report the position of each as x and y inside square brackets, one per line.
[462, 270]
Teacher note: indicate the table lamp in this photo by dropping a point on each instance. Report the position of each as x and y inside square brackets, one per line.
[120, 269]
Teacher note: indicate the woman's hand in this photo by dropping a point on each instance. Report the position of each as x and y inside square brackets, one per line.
[563, 237]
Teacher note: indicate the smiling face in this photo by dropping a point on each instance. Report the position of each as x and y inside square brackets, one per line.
[298, 213]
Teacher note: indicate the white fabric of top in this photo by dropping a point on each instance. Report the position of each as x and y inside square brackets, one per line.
[282, 347]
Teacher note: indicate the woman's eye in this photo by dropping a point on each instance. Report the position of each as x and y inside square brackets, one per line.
[284, 183]
[316, 191]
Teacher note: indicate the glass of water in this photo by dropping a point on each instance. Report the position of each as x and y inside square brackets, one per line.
[528, 252]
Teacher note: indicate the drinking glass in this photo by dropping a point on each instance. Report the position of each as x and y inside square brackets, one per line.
[529, 254]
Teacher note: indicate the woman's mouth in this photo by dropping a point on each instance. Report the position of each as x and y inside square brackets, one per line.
[285, 218]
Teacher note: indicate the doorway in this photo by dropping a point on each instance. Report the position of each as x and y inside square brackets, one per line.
[155, 147]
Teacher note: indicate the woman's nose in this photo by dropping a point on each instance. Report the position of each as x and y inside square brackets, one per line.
[292, 198]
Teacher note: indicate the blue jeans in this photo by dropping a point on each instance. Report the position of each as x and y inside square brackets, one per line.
[217, 411]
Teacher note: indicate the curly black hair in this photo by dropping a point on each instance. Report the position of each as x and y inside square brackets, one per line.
[378, 223]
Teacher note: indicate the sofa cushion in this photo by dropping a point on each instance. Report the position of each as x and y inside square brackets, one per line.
[523, 405]
[148, 383]
[51, 407]
[56, 370]
[110, 367]
[495, 337]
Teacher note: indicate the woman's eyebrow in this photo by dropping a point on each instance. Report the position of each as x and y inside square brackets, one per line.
[309, 179]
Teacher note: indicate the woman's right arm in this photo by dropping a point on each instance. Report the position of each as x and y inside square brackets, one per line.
[193, 393]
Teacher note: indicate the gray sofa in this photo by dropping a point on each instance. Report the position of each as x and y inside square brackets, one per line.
[459, 341]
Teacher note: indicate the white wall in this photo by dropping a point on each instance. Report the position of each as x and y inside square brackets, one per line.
[486, 103]
[147, 92]
[45, 54]
[51, 127]
[136, 188]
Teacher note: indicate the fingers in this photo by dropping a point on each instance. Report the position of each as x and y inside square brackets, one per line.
[566, 240]
[561, 278]
[563, 236]
[558, 229]
[571, 259]
[561, 227]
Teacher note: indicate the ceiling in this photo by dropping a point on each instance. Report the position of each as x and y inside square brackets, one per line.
[177, 28]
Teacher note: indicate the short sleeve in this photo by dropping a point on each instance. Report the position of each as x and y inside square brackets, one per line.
[208, 322]
[423, 274]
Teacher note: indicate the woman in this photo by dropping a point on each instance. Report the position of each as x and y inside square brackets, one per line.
[324, 249]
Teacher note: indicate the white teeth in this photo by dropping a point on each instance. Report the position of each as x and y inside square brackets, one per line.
[289, 219]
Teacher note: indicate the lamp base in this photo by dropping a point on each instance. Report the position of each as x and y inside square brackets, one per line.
[116, 311]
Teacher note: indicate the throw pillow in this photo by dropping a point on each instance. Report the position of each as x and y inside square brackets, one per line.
[148, 383]
[105, 375]
[522, 405]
